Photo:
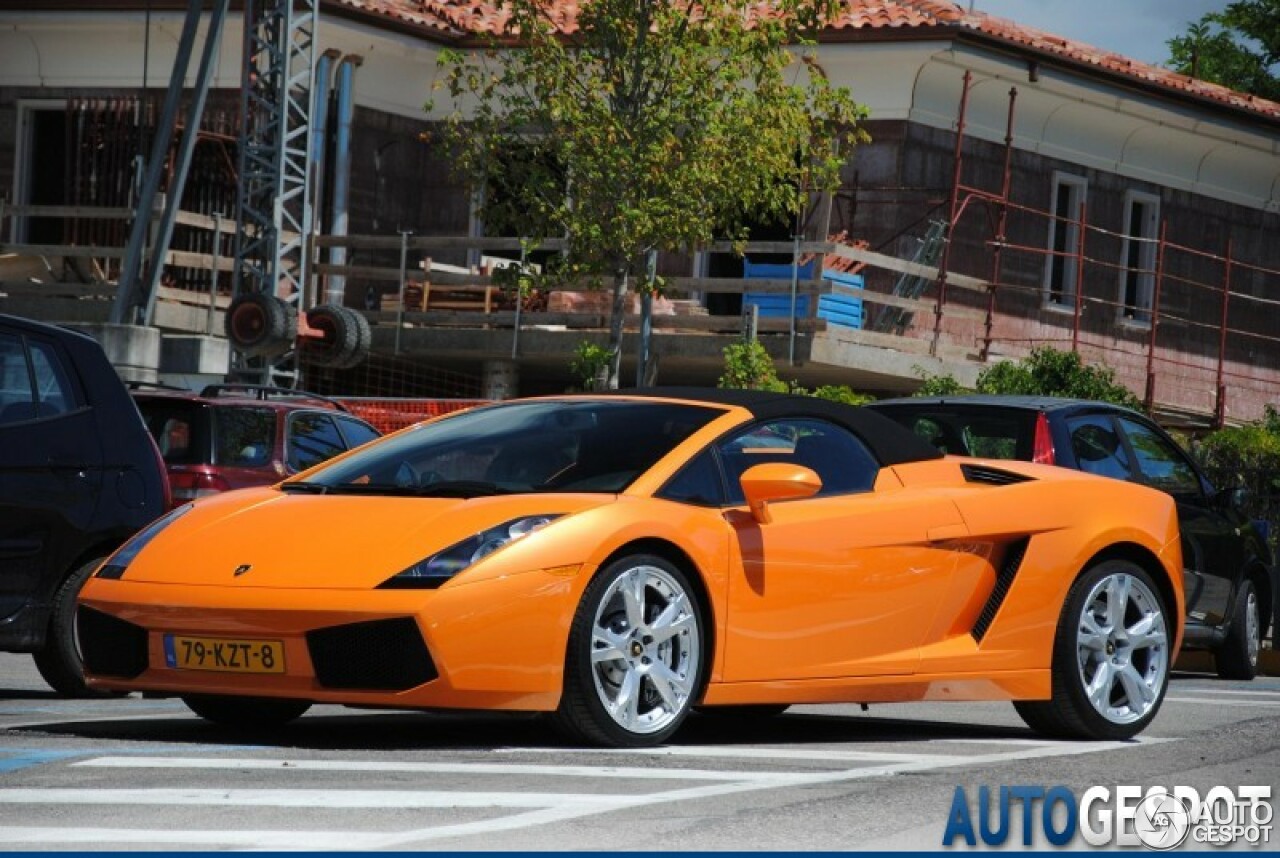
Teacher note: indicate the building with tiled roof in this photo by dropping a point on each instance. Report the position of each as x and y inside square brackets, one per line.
[1142, 151]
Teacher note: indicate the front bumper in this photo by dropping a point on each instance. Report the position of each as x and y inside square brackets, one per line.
[494, 644]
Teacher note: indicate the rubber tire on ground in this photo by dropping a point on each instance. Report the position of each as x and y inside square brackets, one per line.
[1069, 714]
[59, 660]
[346, 331]
[581, 716]
[247, 712]
[1232, 657]
[745, 710]
[259, 325]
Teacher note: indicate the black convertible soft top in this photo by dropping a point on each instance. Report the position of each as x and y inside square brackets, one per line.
[889, 442]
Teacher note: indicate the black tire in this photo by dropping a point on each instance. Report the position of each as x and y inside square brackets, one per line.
[346, 332]
[364, 340]
[259, 325]
[1070, 714]
[745, 711]
[678, 646]
[1237, 657]
[247, 712]
[59, 660]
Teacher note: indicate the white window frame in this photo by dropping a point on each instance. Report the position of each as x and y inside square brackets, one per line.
[1078, 188]
[1147, 233]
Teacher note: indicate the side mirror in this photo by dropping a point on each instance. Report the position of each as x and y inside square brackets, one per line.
[776, 481]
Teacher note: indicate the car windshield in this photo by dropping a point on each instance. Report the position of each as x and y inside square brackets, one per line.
[546, 446]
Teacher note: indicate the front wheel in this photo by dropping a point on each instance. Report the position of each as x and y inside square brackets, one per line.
[1237, 658]
[1110, 657]
[636, 655]
[247, 712]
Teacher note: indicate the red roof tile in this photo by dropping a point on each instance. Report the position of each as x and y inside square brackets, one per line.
[476, 17]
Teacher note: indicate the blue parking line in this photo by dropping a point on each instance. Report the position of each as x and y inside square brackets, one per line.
[14, 759]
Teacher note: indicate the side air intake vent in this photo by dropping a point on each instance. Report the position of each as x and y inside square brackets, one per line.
[111, 646]
[992, 476]
[1004, 580]
[380, 655]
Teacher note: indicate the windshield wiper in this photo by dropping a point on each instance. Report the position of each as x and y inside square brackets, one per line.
[446, 489]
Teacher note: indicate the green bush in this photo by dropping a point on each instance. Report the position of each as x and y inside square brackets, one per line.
[1045, 372]
[589, 361]
[748, 366]
[1248, 457]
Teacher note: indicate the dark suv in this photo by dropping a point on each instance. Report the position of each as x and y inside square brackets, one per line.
[237, 436]
[78, 475]
[1231, 585]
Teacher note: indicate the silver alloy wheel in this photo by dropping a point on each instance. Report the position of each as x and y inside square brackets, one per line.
[1252, 626]
[1122, 648]
[645, 649]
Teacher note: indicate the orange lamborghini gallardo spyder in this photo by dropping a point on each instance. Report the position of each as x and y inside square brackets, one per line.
[618, 559]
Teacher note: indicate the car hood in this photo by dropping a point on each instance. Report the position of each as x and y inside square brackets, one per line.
[325, 541]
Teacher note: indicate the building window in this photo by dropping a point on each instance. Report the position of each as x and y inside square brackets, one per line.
[1061, 269]
[1138, 256]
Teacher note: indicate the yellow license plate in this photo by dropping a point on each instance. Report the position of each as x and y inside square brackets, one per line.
[227, 655]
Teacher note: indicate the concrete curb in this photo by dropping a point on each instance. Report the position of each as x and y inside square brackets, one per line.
[1200, 661]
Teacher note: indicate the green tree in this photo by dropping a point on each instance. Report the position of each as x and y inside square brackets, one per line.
[748, 365]
[1045, 372]
[1238, 47]
[648, 125]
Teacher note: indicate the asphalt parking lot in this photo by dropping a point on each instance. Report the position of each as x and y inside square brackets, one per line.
[133, 773]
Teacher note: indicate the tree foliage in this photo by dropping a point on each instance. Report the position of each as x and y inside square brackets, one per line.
[1248, 457]
[748, 365]
[652, 125]
[1045, 372]
[1238, 47]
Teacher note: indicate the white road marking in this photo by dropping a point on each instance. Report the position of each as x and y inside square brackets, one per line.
[282, 764]
[544, 808]
[321, 797]
[1213, 701]
[735, 753]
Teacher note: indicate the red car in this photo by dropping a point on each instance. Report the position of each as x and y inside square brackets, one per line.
[237, 436]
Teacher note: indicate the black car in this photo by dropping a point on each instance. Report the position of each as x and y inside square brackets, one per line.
[1229, 578]
[78, 475]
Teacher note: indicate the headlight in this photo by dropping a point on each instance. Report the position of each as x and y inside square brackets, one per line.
[440, 567]
[118, 562]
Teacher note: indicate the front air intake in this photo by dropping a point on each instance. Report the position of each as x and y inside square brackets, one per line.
[110, 646]
[380, 655]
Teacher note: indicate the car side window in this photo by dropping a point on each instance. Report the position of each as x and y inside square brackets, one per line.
[312, 439]
[245, 437]
[16, 400]
[54, 391]
[841, 461]
[1098, 449]
[697, 483]
[1160, 464]
[355, 432]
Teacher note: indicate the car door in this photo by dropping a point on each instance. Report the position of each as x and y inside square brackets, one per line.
[50, 465]
[1213, 550]
[840, 584]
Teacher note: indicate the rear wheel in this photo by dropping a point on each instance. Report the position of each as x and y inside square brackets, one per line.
[1110, 657]
[636, 655]
[59, 660]
[247, 712]
[1237, 658]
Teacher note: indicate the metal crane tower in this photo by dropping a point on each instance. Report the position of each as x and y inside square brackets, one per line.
[273, 212]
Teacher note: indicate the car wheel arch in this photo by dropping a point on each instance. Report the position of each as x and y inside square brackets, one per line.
[1149, 563]
[677, 556]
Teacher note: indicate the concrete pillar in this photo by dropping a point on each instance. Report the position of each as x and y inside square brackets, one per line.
[500, 379]
[133, 350]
